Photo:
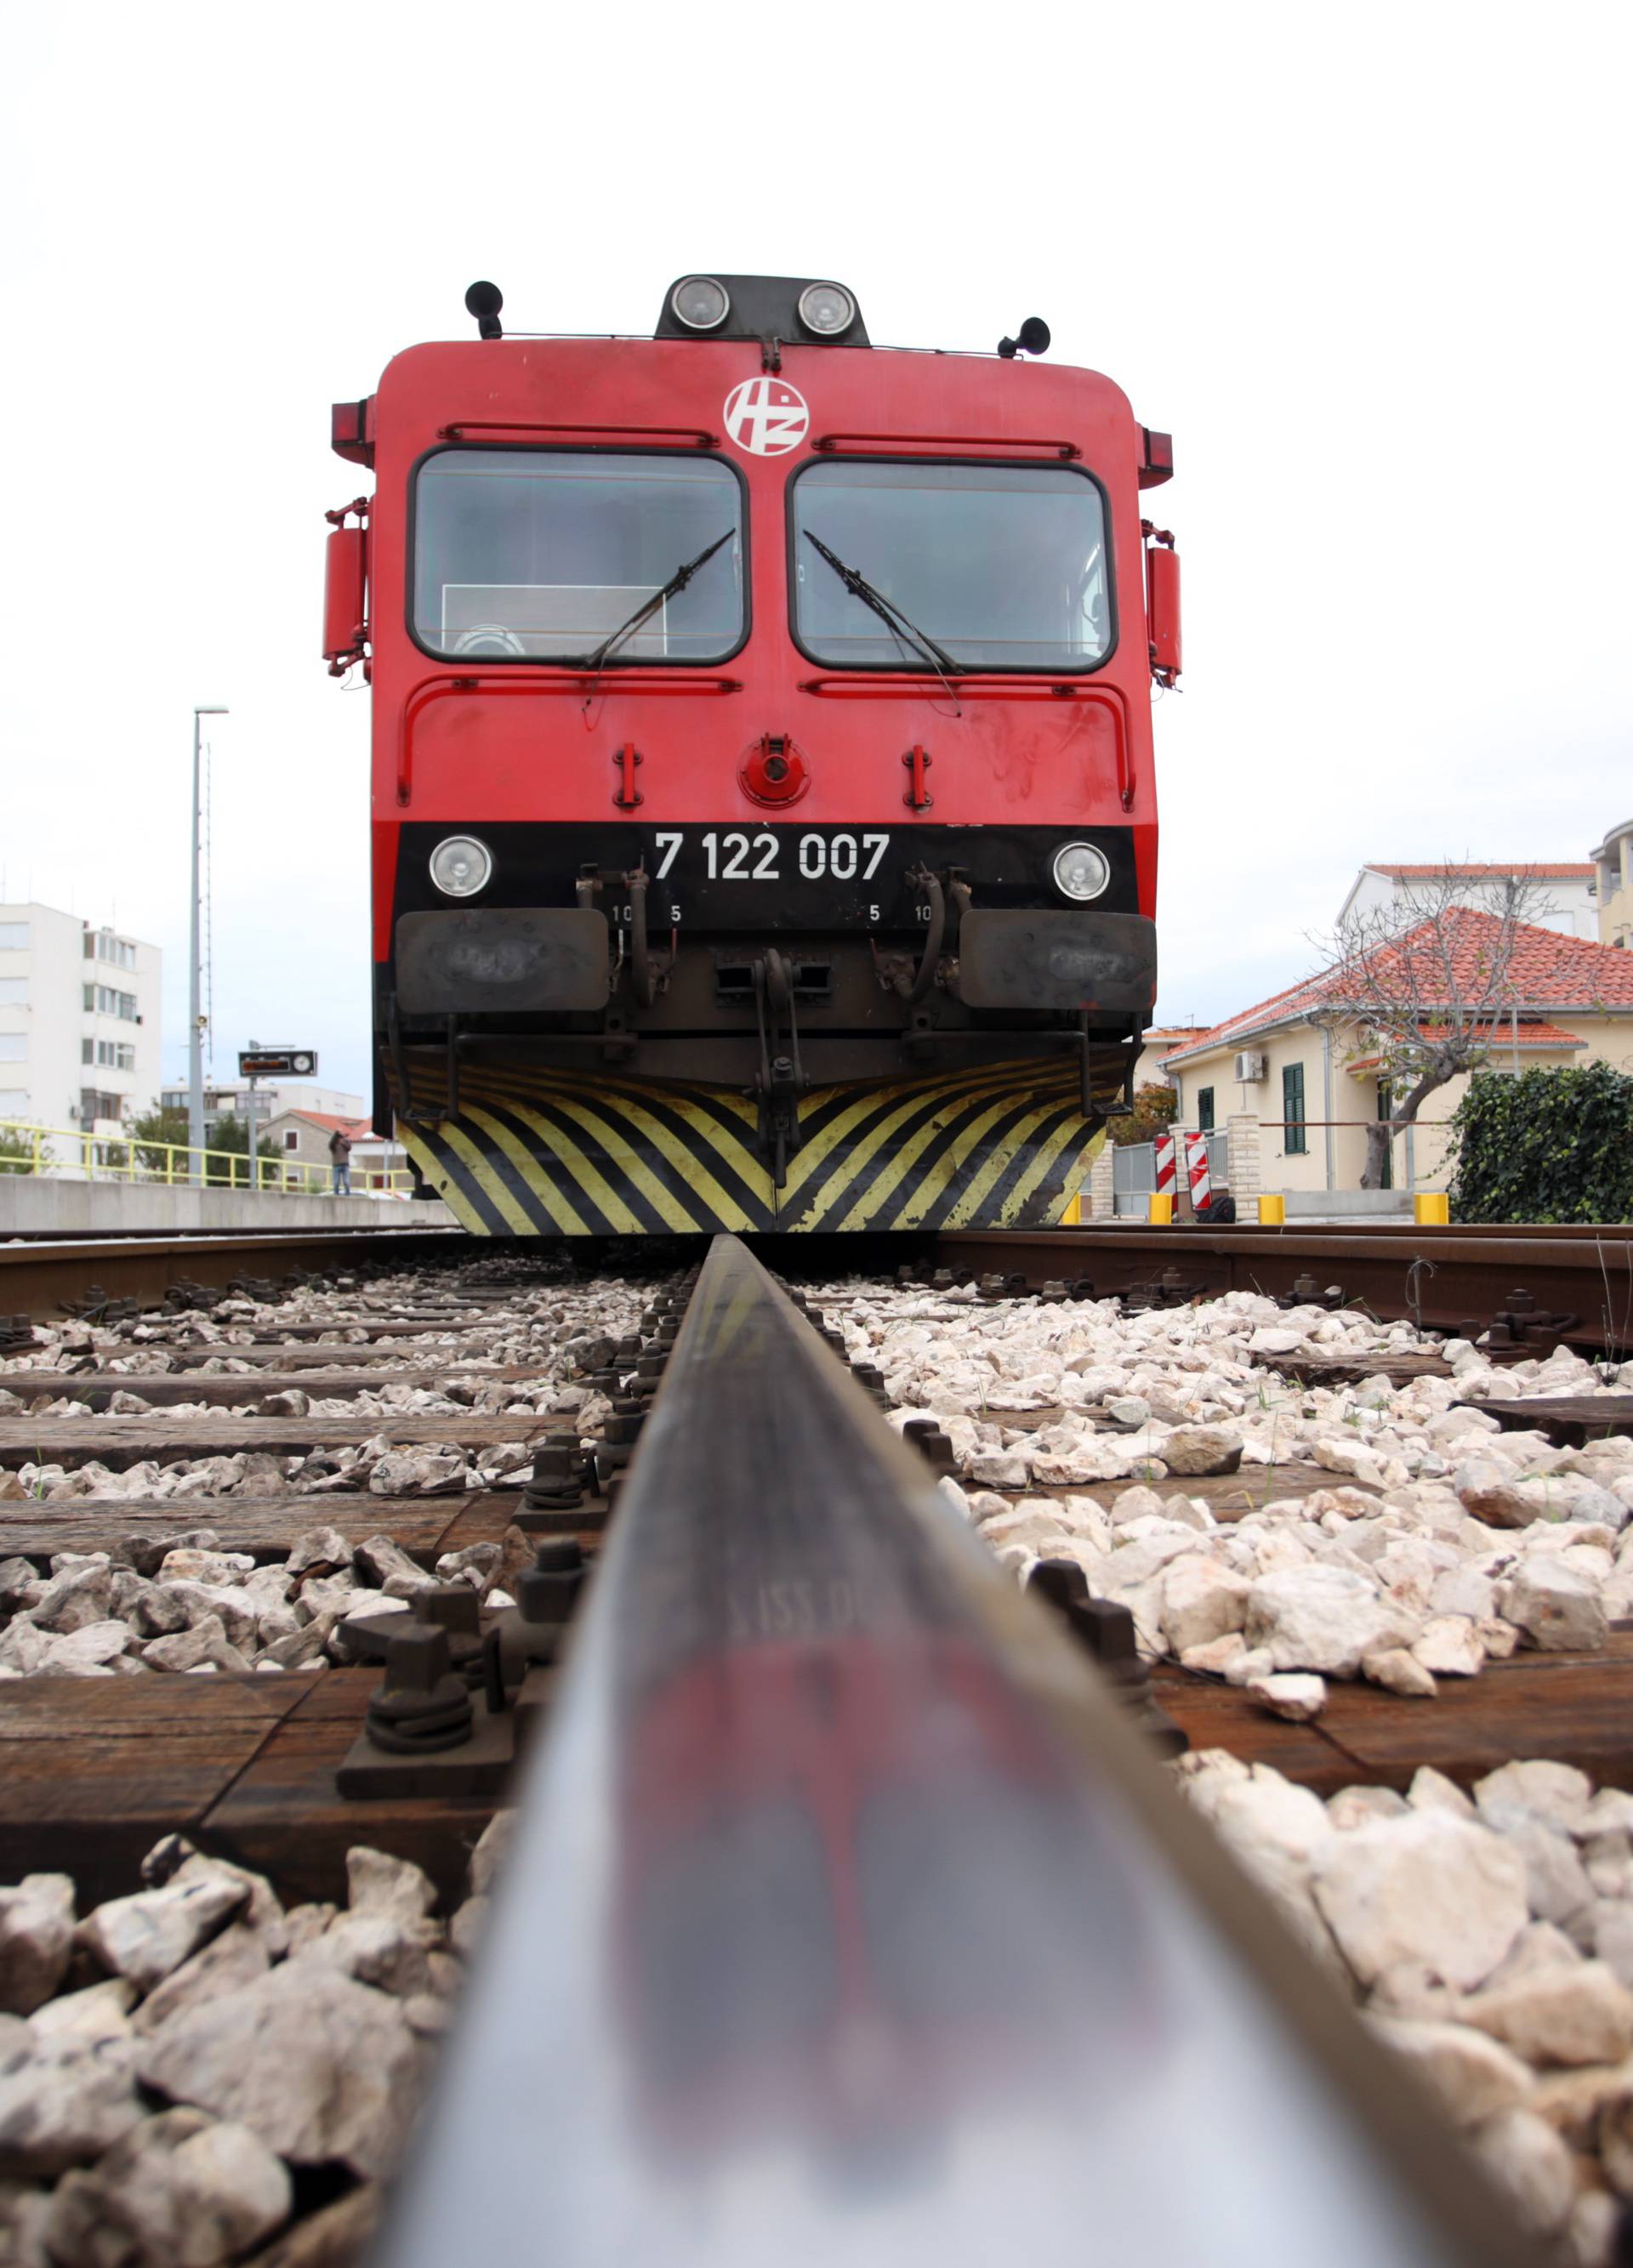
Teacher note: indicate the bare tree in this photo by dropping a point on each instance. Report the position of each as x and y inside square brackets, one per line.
[1427, 985]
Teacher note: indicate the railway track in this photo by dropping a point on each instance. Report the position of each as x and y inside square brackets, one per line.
[787, 1637]
[38, 1274]
[840, 1862]
[1575, 1285]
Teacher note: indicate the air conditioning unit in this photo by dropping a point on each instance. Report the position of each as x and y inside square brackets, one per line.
[1250, 1069]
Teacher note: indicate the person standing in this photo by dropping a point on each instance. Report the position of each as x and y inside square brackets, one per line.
[340, 1161]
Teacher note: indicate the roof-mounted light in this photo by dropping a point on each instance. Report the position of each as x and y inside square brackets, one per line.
[1031, 339]
[700, 302]
[826, 309]
[485, 301]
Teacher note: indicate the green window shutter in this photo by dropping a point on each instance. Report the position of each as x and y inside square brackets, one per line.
[1293, 1142]
[1205, 1111]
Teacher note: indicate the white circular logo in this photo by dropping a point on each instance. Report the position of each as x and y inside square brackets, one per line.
[765, 417]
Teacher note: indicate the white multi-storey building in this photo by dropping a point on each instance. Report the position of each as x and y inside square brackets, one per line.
[224, 1098]
[80, 1029]
[1612, 871]
[1561, 895]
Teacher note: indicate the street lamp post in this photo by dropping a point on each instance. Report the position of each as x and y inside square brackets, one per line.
[194, 1027]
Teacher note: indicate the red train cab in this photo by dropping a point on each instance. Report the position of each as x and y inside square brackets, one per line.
[764, 812]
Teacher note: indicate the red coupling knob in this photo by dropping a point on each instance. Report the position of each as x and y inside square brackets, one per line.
[774, 771]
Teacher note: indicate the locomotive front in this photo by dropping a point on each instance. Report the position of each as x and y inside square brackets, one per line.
[765, 825]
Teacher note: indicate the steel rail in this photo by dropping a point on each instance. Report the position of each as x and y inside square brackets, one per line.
[1439, 1278]
[845, 1920]
[38, 1275]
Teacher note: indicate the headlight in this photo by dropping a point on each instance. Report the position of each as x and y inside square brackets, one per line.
[1081, 871]
[700, 303]
[827, 309]
[461, 867]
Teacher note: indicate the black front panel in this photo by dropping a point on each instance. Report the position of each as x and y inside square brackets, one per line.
[1036, 961]
[768, 875]
[502, 961]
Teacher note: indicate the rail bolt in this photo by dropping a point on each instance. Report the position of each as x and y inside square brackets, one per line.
[452, 1607]
[935, 1445]
[557, 1478]
[422, 1706]
[622, 1428]
[870, 1375]
[1106, 1629]
[548, 1591]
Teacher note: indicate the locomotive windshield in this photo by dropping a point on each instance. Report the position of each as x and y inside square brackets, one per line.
[999, 566]
[535, 554]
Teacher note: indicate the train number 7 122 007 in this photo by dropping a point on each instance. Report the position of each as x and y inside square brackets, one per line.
[737, 856]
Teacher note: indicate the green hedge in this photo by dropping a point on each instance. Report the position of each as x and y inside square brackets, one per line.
[1550, 1145]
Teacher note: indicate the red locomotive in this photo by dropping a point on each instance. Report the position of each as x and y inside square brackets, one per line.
[765, 819]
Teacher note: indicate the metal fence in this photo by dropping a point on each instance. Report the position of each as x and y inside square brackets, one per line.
[1134, 1171]
[66, 1153]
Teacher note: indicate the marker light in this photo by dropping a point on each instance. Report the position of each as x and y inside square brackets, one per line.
[700, 303]
[461, 867]
[827, 309]
[1081, 871]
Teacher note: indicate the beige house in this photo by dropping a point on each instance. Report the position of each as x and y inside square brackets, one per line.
[1612, 867]
[301, 1137]
[1296, 1085]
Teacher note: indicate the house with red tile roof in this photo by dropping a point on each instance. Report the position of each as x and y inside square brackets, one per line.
[1297, 1077]
[1561, 892]
[301, 1138]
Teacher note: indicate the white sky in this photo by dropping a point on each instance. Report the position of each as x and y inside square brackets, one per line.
[1368, 266]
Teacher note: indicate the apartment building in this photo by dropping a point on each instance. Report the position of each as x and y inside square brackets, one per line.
[226, 1099]
[1612, 869]
[79, 1020]
[1561, 891]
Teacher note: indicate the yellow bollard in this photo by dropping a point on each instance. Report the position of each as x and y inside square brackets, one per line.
[1432, 1209]
[1272, 1211]
[1072, 1217]
[1160, 1213]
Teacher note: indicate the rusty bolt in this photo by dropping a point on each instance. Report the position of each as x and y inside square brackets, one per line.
[549, 1591]
[454, 1607]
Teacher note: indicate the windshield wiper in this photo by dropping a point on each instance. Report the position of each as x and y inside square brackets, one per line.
[859, 587]
[676, 584]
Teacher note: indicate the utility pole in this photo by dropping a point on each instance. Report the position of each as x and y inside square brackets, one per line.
[250, 1105]
[194, 1027]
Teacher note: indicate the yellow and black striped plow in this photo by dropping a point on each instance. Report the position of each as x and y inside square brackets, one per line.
[548, 1153]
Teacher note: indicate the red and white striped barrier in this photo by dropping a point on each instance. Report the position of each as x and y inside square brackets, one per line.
[1164, 1148]
[1196, 1168]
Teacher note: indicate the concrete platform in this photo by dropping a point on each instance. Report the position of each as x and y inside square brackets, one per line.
[44, 1205]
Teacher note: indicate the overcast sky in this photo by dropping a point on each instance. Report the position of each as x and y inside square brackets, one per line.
[1368, 266]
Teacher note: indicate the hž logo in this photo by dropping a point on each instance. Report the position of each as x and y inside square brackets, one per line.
[765, 417]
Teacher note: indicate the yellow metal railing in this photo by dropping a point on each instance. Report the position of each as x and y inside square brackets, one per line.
[66, 1151]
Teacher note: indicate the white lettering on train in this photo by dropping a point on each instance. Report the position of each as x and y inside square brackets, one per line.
[735, 857]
